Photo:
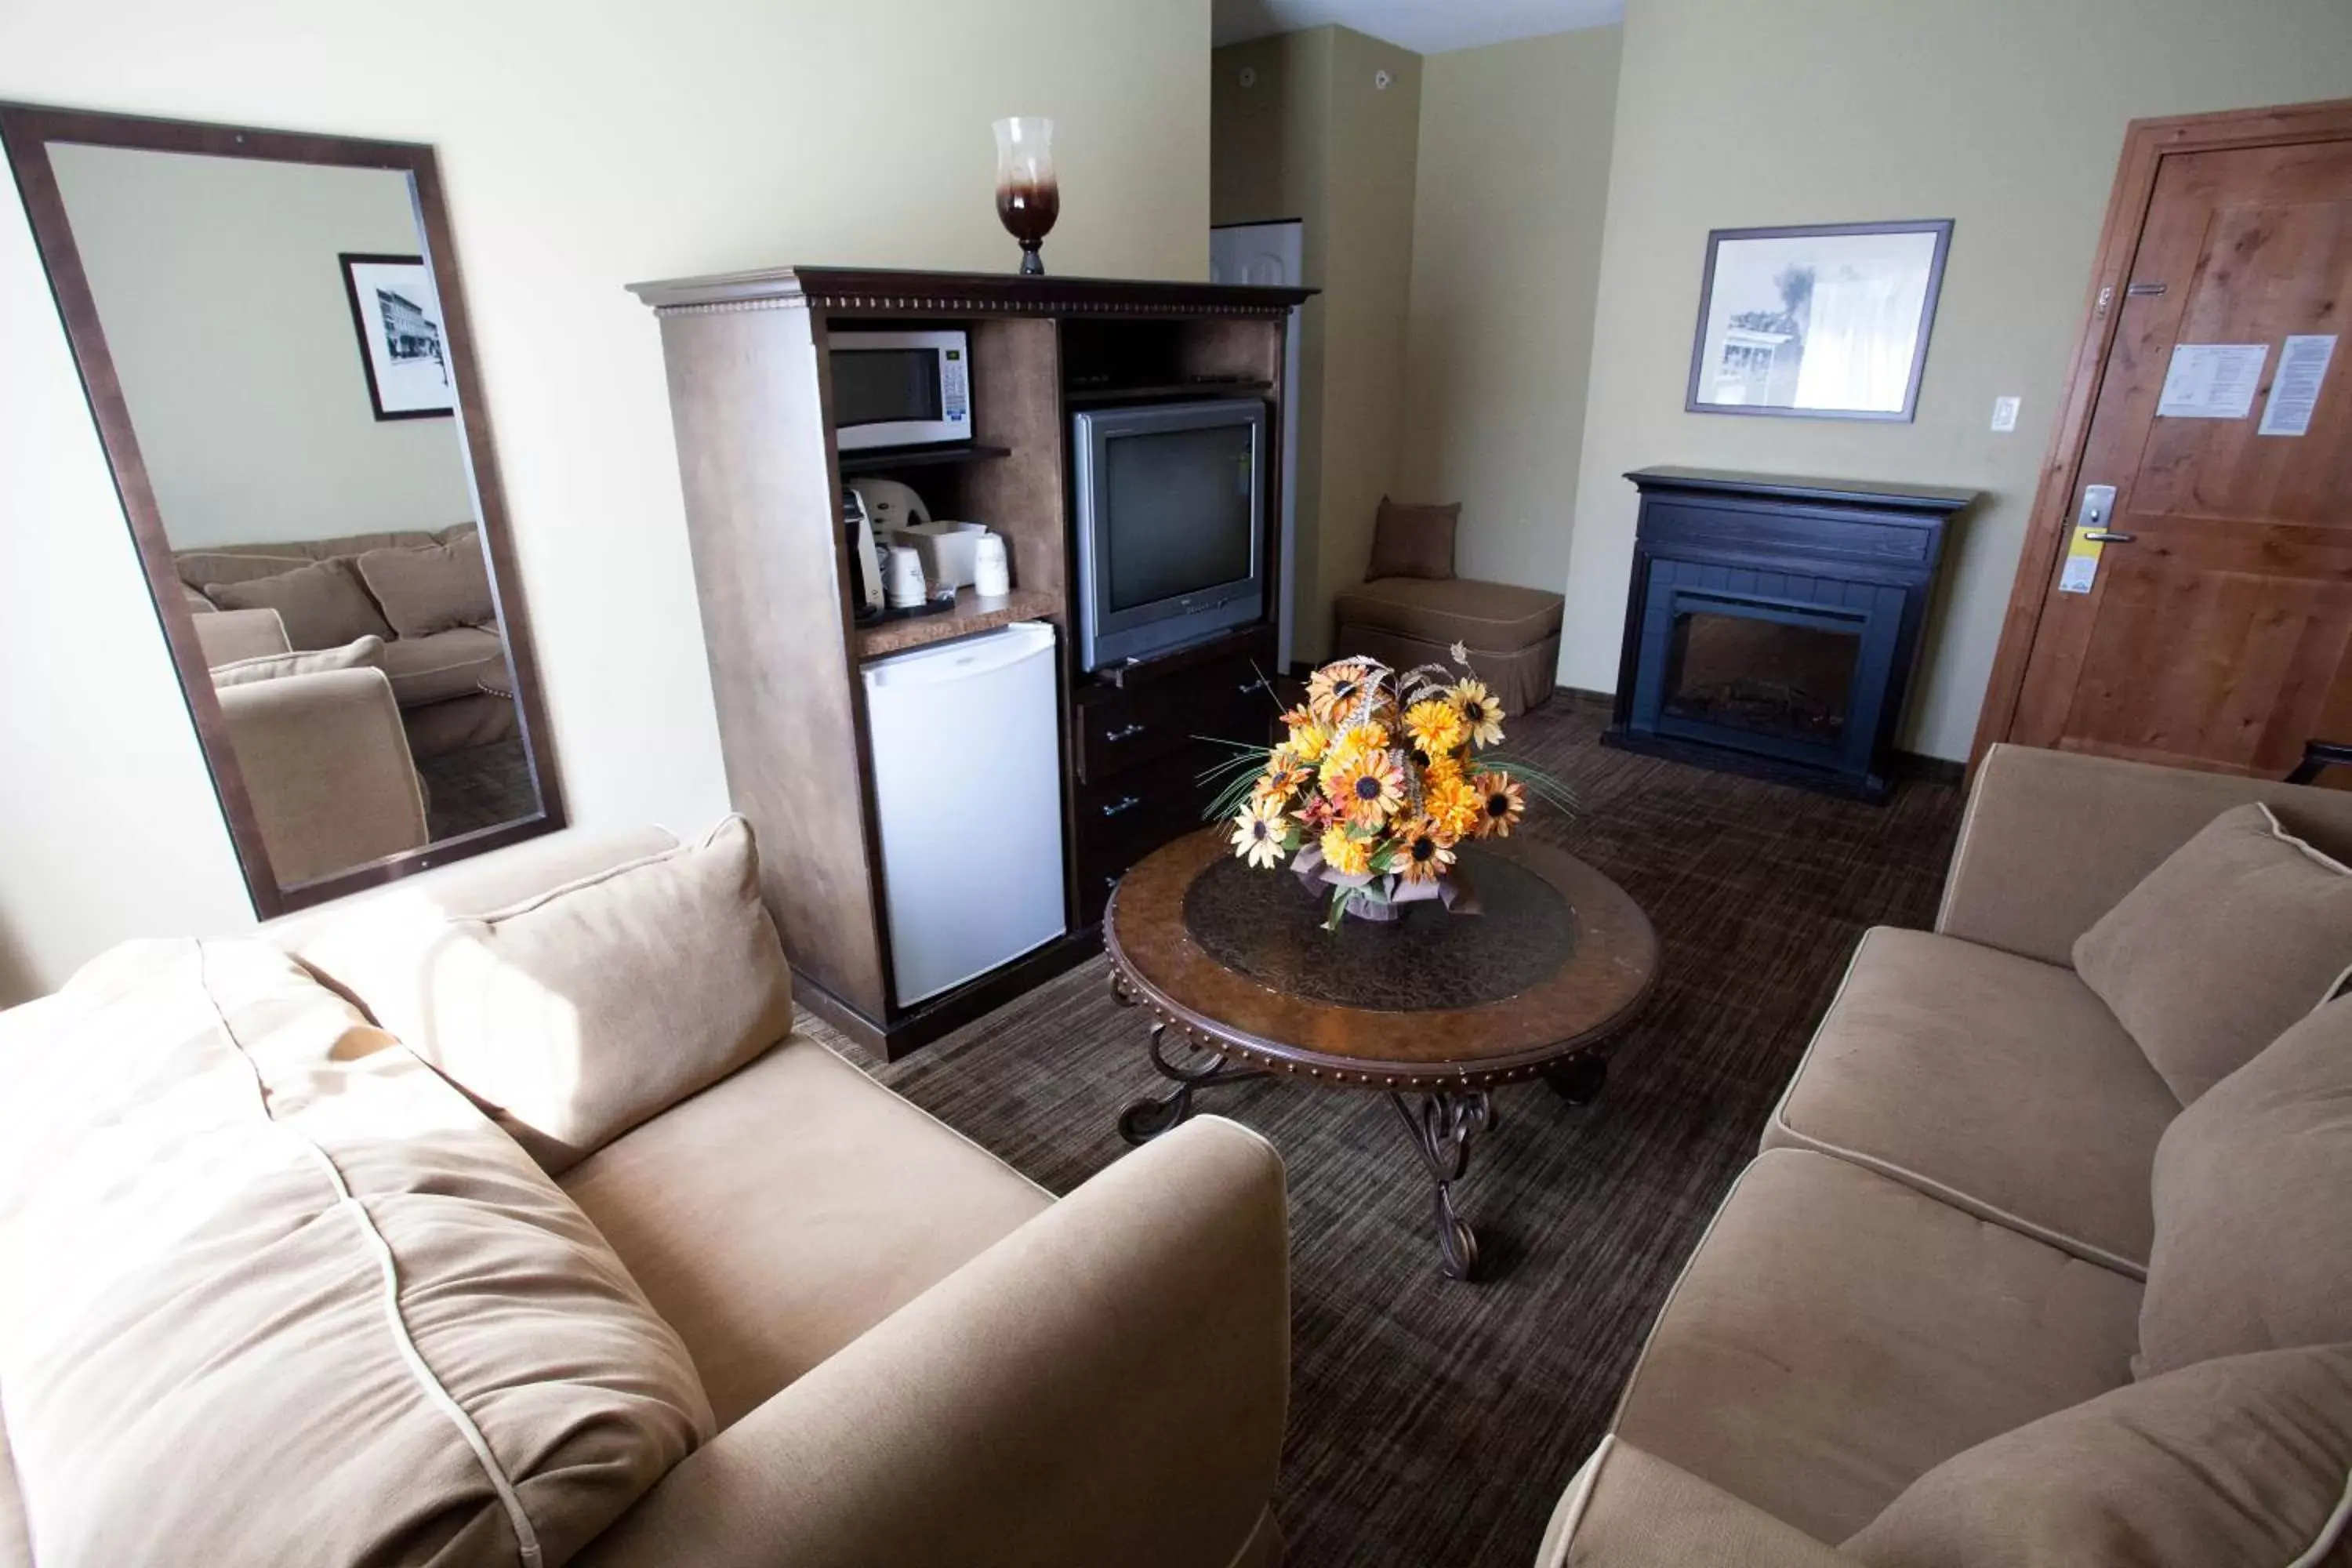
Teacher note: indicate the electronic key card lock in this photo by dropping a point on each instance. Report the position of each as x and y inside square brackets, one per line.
[2089, 536]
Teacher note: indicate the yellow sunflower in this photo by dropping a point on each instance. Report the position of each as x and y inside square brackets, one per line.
[1424, 851]
[1259, 828]
[1481, 714]
[1309, 742]
[1435, 727]
[1368, 789]
[1453, 805]
[1348, 856]
[1501, 803]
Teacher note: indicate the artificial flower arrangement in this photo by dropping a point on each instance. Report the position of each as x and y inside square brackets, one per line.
[1380, 778]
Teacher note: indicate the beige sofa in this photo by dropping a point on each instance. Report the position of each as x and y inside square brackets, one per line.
[320, 744]
[1946, 1239]
[436, 677]
[697, 1289]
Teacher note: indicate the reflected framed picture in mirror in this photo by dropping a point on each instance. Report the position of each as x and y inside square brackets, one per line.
[322, 531]
[403, 348]
[1823, 322]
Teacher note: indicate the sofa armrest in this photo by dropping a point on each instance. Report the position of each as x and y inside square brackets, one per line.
[1629, 1509]
[228, 635]
[1106, 1385]
[327, 767]
[2051, 840]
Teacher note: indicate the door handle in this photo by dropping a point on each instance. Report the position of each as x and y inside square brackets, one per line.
[2105, 536]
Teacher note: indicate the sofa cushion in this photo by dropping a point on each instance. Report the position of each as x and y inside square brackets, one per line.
[1414, 540]
[237, 564]
[2241, 932]
[577, 1013]
[270, 1291]
[2253, 1206]
[1991, 1081]
[364, 653]
[2237, 1460]
[430, 588]
[833, 1203]
[442, 666]
[322, 604]
[1490, 617]
[1838, 1334]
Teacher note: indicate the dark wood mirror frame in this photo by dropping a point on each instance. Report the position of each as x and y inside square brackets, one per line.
[25, 133]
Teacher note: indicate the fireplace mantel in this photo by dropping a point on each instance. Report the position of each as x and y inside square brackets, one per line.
[1773, 622]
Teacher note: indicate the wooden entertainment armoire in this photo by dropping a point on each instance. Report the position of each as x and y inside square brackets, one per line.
[750, 397]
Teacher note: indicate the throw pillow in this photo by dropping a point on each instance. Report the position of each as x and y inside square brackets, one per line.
[360, 653]
[2238, 1460]
[322, 604]
[575, 1015]
[271, 1292]
[2253, 1240]
[1414, 540]
[2241, 932]
[431, 589]
[197, 568]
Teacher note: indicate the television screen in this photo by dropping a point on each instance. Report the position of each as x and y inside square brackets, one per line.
[1179, 508]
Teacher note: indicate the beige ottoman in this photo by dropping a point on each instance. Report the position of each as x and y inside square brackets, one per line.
[1512, 633]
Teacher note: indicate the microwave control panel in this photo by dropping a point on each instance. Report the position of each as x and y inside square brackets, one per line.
[955, 387]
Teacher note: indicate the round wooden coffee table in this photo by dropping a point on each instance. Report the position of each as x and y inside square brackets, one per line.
[1432, 1009]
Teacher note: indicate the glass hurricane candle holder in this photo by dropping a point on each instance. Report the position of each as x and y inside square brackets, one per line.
[1027, 199]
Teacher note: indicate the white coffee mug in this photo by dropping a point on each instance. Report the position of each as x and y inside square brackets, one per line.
[991, 576]
[906, 578]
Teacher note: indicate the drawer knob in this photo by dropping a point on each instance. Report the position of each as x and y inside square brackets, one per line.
[1247, 687]
[1124, 732]
[1124, 803]
[1109, 883]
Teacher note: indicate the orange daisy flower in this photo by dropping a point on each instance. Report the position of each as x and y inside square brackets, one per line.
[1368, 789]
[1424, 851]
[1501, 803]
[1333, 691]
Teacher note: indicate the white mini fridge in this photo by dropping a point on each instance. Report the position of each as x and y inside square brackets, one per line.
[967, 785]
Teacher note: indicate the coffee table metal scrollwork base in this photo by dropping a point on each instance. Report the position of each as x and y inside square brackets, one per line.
[1229, 975]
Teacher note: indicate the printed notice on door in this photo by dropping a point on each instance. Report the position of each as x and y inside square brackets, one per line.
[2212, 381]
[2303, 365]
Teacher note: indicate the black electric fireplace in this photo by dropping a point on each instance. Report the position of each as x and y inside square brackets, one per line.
[1773, 622]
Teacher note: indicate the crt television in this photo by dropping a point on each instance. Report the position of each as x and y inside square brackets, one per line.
[1170, 525]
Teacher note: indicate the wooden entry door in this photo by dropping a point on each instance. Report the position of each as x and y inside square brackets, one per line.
[2204, 617]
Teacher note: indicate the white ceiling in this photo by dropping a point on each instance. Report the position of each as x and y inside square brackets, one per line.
[1424, 26]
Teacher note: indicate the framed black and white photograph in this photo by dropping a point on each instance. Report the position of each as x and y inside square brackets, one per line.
[403, 347]
[1824, 322]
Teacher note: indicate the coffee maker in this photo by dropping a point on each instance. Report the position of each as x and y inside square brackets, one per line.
[866, 570]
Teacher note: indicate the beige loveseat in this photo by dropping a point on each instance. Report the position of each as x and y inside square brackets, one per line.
[435, 676]
[1941, 1261]
[668, 1284]
[320, 744]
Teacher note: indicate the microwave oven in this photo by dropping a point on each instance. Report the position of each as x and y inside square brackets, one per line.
[901, 389]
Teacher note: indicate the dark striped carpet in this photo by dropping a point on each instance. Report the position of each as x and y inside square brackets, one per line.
[1434, 1423]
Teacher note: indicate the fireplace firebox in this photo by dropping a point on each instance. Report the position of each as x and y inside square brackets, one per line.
[1773, 623]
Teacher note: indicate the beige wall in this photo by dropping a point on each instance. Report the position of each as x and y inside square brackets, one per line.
[619, 141]
[2004, 115]
[1316, 138]
[226, 318]
[1512, 182]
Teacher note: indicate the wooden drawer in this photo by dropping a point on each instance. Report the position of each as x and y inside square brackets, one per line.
[1122, 819]
[1120, 728]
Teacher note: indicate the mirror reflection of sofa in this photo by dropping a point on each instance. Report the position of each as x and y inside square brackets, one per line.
[425, 594]
[320, 743]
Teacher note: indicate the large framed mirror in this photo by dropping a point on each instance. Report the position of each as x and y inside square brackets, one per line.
[272, 335]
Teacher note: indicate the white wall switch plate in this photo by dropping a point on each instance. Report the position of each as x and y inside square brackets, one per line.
[2004, 412]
